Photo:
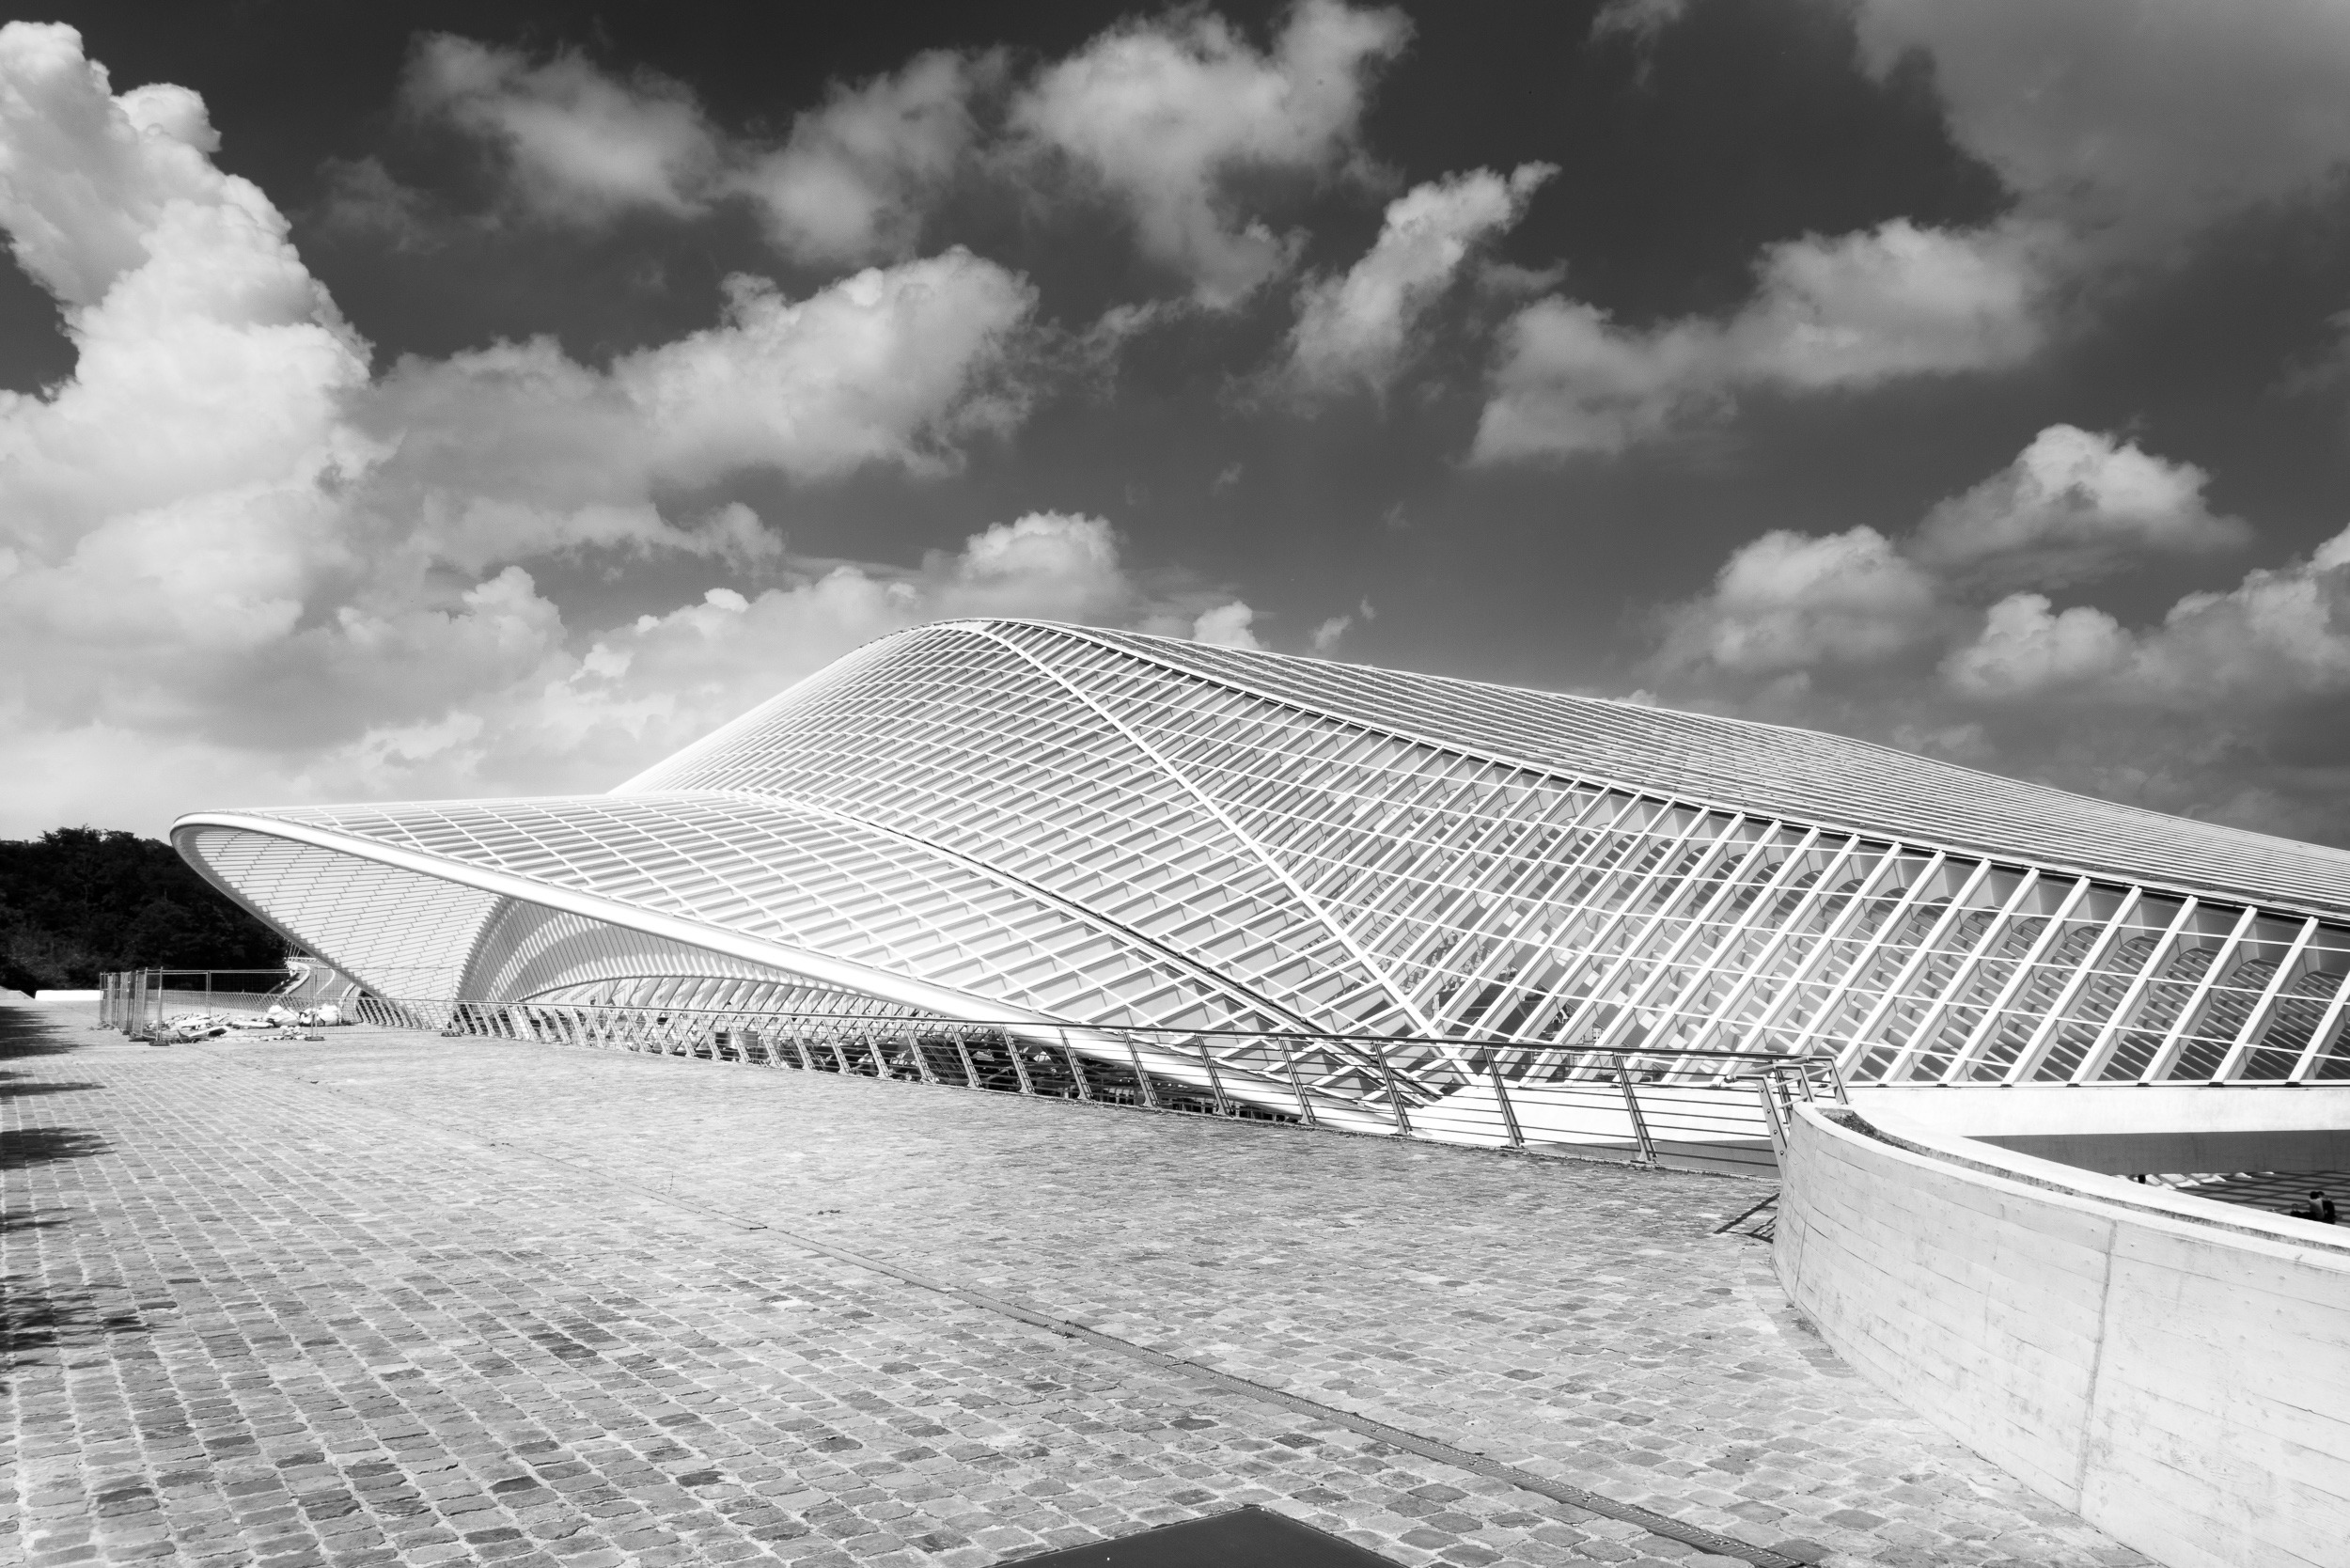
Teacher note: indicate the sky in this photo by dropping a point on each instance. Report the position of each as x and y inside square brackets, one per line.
[408, 402]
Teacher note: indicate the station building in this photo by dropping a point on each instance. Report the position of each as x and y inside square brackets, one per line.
[1022, 822]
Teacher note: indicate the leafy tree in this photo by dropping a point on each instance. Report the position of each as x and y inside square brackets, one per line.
[78, 901]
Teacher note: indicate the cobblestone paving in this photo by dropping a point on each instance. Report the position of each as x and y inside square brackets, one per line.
[399, 1299]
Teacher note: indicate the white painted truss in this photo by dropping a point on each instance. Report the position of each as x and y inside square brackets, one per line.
[1079, 832]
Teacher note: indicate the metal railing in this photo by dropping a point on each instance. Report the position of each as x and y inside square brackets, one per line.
[1722, 1111]
[137, 1001]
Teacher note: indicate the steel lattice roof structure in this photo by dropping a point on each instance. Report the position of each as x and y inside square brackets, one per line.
[1076, 830]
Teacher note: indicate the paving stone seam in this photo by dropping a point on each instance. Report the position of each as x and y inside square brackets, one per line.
[1427, 1447]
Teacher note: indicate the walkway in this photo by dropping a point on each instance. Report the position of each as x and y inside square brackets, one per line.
[399, 1299]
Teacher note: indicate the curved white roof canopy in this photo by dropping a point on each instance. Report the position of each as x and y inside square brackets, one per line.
[1013, 819]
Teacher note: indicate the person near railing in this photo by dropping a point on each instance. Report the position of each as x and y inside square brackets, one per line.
[2319, 1208]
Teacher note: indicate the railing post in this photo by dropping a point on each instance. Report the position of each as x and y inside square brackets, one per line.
[963, 1049]
[1770, 1112]
[1142, 1077]
[1501, 1097]
[1019, 1064]
[1297, 1082]
[921, 1056]
[1632, 1104]
[1077, 1068]
[1215, 1079]
[1395, 1090]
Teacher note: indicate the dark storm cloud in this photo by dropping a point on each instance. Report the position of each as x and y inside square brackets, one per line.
[611, 365]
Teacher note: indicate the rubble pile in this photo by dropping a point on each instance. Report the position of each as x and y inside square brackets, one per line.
[187, 1026]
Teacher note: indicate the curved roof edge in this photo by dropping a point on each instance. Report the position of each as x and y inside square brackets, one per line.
[946, 1001]
[775, 955]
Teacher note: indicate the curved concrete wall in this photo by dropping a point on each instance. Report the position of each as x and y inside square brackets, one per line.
[2182, 1384]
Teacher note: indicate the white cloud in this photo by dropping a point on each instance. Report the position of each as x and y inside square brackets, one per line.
[510, 450]
[1326, 637]
[1792, 602]
[882, 367]
[1059, 566]
[182, 298]
[1895, 301]
[1353, 331]
[851, 182]
[224, 544]
[2120, 128]
[2279, 638]
[2233, 704]
[1639, 20]
[2075, 505]
[85, 185]
[2134, 122]
[1846, 313]
[1160, 113]
[1568, 381]
[1160, 117]
[2023, 648]
[1226, 626]
[583, 144]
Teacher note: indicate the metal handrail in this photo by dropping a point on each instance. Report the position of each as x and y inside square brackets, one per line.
[1677, 1110]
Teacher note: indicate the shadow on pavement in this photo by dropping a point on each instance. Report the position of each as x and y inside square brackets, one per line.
[23, 1147]
[28, 1033]
[34, 1318]
[37, 1031]
[16, 1086]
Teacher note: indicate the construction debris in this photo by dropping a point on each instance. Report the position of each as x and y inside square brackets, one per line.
[189, 1027]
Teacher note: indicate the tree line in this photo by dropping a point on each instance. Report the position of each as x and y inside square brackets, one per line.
[77, 901]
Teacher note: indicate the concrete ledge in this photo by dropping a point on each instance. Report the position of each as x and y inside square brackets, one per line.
[2181, 1379]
